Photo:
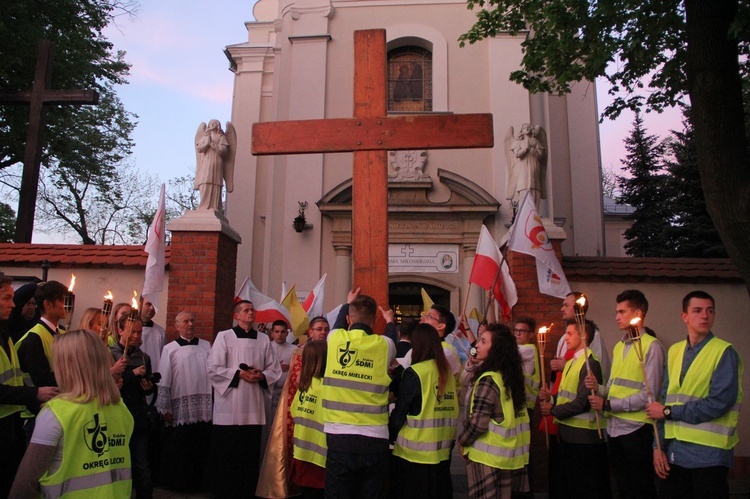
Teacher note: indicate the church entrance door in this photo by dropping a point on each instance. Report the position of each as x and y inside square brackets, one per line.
[406, 298]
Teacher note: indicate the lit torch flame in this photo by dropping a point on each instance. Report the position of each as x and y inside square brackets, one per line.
[134, 302]
[581, 302]
[108, 296]
[72, 282]
[635, 322]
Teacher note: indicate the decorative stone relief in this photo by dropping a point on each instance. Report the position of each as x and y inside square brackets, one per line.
[408, 165]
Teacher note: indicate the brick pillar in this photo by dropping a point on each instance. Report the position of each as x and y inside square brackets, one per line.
[202, 269]
[544, 309]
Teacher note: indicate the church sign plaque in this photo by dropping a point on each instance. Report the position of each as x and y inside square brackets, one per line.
[424, 258]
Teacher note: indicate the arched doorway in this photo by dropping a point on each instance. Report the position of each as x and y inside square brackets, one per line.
[406, 298]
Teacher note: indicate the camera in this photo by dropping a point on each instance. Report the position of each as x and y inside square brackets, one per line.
[153, 378]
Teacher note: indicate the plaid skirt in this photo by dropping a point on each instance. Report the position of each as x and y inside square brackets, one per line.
[486, 482]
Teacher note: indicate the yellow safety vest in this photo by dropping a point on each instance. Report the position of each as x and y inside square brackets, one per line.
[720, 432]
[505, 444]
[427, 438]
[47, 339]
[307, 412]
[356, 379]
[10, 375]
[532, 382]
[96, 456]
[568, 392]
[626, 377]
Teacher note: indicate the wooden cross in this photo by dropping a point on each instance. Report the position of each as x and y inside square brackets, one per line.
[369, 135]
[38, 97]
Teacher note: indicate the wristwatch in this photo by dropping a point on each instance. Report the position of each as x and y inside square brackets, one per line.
[607, 406]
[667, 412]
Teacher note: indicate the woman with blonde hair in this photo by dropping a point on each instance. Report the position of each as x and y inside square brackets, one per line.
[308, 465]
[118, 311]
[92, 320]
[80, 443]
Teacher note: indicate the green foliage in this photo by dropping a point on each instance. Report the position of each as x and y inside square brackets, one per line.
[7, 223]
[645, 190]
[85, 146]
[693, 233]
[83, 59]
[637, 45]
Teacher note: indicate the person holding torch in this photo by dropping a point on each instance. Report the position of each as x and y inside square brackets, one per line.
[637, 369]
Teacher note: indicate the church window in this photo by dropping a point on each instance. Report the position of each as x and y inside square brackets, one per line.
[410, 79]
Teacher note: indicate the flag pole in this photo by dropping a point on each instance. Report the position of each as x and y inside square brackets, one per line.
[466, 301]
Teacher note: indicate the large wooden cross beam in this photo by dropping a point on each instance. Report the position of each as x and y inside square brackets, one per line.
[38, 97]
[369, 135]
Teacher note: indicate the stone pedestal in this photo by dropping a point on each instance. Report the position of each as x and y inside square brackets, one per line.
[202, 270]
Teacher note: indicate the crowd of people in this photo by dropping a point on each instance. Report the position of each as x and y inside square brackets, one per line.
[110, 407]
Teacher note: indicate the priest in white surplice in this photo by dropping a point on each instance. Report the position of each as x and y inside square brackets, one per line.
[241, 366]
[185, 404]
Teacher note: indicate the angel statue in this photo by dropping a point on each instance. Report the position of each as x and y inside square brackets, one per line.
[214, 151]
[527, 163]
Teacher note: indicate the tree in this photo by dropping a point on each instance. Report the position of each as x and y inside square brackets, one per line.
[610, 183]
[693, 233]
[645, 190]
[671, 48]
[7, 223]
[82, 144]
[98, 212]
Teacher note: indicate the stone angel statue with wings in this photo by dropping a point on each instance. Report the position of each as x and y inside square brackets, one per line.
[214, 151]
[526, 156]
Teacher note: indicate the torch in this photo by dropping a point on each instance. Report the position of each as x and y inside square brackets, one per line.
[132, 317]
[541, 339]
[106, 312]
[580, 316]
[634, 335]
[69, 302]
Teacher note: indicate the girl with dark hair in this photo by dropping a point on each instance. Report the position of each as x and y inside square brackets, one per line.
[308, 465]
[423, 423]
[495, 436]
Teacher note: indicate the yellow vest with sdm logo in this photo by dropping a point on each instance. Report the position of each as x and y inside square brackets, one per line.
[355, 386]
[720, 432]
[96, 456]
[307, 412]
[427, 438]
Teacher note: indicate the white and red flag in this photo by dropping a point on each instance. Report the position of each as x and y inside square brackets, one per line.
[156, 245]
[529, 236]
[267, 309]
[313, 303]
[484, 273]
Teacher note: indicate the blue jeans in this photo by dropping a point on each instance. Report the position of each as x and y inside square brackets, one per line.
[360, 475]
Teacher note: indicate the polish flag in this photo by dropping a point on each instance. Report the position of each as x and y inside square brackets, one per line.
[267, 309]
[313, 304]
[484, 273]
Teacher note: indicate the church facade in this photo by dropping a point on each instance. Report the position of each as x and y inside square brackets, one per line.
[298, 64]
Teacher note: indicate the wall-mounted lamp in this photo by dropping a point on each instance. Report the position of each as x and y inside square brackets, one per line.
[299, 222]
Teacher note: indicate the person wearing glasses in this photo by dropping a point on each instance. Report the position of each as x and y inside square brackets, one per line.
[443, 321]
